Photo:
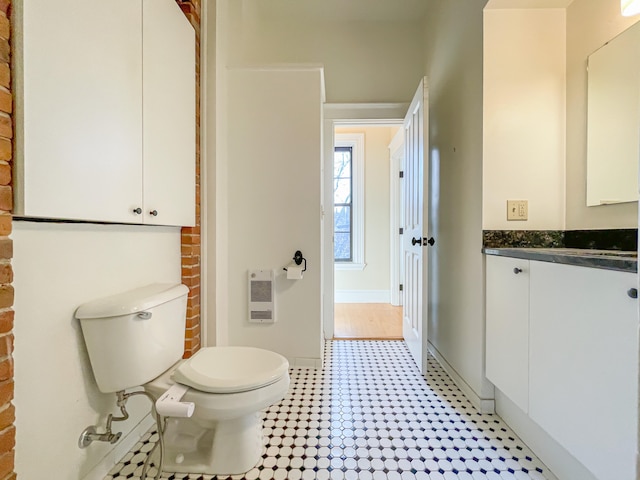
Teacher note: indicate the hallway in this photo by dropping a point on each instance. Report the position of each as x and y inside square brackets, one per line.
[367, 321]
[370, 415]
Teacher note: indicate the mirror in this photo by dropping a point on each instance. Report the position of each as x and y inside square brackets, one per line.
[613, 120]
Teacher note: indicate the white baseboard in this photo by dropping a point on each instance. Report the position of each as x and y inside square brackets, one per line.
[483, 405]
[362, 296]
[305, 362]
[559, 461]
[120, 450]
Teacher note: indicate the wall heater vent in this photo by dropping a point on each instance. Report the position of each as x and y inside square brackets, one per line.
[262, 296]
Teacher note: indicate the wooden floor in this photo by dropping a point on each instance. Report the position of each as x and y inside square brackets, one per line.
[370, 321]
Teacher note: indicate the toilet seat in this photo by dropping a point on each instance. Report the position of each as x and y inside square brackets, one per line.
[231, 369]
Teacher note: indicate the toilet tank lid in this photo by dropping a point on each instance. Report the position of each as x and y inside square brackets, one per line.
[132, 301]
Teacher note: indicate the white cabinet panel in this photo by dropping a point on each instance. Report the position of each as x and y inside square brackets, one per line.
[169, 112]
[105, 111]
[507, 313]
[584, 364]
[80, 109]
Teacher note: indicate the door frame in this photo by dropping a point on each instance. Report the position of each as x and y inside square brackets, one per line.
[343, 114]
[396, 159]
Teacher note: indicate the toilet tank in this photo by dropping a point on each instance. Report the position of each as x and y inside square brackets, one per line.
[134, 336]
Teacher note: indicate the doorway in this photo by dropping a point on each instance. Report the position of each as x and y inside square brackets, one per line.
[366, 200]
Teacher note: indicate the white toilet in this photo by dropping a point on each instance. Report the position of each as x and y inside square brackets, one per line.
[137, 339]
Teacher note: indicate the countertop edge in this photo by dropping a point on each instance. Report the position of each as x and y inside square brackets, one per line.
[605, 262]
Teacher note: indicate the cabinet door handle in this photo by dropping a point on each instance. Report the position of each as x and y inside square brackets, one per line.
[632, 292]
[137, 211]
[153, 213]
[517, 270]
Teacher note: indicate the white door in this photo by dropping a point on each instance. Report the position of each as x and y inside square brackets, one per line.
[416, 170]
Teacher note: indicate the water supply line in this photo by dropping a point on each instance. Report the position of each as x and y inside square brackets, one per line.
[90, 434]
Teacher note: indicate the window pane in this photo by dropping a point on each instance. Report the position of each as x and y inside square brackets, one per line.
[342, 162]
[342, 199]
[342, 218]
[342, 247]
[342, 190]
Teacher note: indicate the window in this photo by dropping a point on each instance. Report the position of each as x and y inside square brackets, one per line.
[342, 204]
[348, 174]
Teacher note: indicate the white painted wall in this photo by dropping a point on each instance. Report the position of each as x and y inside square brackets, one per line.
[453, 39]
[274, 122]
[363, 61]
[590, 24]
[57, 268]
[524, 117]
[375, 277]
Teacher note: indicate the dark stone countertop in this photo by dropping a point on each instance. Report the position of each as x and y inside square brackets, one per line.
[605, 259]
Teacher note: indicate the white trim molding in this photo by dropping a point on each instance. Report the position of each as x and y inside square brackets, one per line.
[483, 405]
[363, 296]
[356, 142]
[344, 114]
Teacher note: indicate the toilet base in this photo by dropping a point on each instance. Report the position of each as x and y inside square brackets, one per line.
[231, 447]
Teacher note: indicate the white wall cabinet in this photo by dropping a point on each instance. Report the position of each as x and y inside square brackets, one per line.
[507, 361]
[584, 364]
[105, 109]
[562, 344]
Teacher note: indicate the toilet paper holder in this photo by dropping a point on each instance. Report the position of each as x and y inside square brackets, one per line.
[298, 259]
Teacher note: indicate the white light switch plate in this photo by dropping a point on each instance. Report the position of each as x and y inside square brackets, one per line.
[517, 209]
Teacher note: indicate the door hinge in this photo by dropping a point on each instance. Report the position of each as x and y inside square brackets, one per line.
[401, 174]
[401, 287]
[401, 231]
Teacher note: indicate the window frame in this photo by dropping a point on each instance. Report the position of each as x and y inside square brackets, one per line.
[355, 141]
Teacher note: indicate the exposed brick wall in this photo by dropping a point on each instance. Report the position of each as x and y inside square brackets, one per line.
[7, 411]
[191, 244]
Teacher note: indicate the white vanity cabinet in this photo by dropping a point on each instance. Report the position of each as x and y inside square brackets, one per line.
[583, 377]
[507, 308]
[105, 111]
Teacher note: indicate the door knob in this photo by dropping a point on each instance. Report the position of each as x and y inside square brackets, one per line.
[416, 241]
[431, 241]
[517, 270]
[632, 292]
[137, 211]
[153, 213]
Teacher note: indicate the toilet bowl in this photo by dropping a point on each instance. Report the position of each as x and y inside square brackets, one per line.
[229, 386]
[136, 338]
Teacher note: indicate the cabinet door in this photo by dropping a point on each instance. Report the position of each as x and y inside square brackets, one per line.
[169, 114]
[79, 109]
[507, 313]
[584, 364]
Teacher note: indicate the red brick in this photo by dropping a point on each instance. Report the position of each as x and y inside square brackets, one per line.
[6, 320]
[6, 149]
[6, 244]
[6, 273]
[6, 101]
[7, 416]
[6, 369]
[5, 229]
[5, 50]
[5, 27]
[6, 198]
[7, 465]
[6, 392]
[5, 75]
[190, 261]
[6, 346]
[5, 174]
[6, 297]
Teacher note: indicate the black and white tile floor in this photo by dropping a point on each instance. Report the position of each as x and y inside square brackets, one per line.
[370, 415]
